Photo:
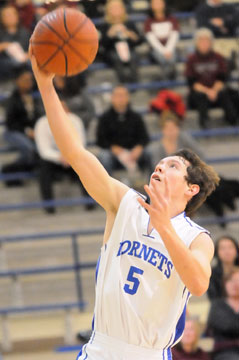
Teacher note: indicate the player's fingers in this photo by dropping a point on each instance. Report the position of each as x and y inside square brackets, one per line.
[150, 192]
[144, 204]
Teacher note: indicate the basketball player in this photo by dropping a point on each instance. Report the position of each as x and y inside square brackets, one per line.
[153, 256]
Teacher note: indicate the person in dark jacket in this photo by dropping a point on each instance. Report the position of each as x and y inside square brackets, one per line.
[223, 320]
[227, 256]
[218, 17]
[206, 72]
[119, 37]
[122, 134]
[22, 111]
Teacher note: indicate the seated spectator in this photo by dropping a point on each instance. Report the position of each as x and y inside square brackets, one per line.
[14, 41]
[218, 17]
[26, 12]
[206, 72]
[119, 37]
[51, 161]
[188, 348]
[162, 33]
[122, 134]
[227, 256]
[223, 320]
[172, 139]
[79, 102]
[22, 111]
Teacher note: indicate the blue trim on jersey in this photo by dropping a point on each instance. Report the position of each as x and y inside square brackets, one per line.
[93, 322]
[148, 236]
[194, 224]
[92, 338]
[81, 353]
[97, 269]
[183, 212]
[181, 323]
[169, 342]
[169, 354]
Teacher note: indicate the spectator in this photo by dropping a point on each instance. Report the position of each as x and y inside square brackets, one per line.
[206, 72]
[188, 348]
[227, 256]
[172, 139]
[72, 90]
[123, 136]
[119, 37]
[218, 17]
[51, 161]
[14, 40]
[223, 320]
[162, 33]
[26, 12]
[22, 110]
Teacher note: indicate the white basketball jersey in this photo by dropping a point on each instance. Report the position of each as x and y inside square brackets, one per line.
[140, 298]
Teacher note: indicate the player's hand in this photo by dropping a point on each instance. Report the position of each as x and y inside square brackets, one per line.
[159, 207]
[40, 75]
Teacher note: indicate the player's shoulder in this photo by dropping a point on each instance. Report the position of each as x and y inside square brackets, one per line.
[189, 223]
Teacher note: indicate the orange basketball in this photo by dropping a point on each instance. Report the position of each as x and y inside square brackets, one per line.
[64, 42]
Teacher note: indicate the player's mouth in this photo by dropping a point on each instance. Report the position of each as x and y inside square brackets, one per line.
[156, 177]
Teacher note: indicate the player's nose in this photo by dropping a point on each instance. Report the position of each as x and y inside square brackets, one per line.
[159, 168]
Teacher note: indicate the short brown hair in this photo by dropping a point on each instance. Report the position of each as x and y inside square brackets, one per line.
[198, 172]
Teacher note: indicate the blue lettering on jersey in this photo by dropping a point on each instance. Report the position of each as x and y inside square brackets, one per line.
[146, 253]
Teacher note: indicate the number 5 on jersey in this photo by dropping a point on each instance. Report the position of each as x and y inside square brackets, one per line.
[133, 287]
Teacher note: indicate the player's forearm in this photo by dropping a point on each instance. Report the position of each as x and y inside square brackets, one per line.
[190, 270]
[66, 137]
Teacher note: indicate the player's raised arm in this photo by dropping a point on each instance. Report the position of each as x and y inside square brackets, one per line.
[107, 191]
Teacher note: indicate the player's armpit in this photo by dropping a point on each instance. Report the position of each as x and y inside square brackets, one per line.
[104, 189]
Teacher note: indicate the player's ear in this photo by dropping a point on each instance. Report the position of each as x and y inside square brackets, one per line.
[193, 189]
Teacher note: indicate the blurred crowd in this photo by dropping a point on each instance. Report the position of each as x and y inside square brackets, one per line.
[121, 133]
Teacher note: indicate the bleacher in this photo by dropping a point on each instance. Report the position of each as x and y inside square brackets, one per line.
[47, 262]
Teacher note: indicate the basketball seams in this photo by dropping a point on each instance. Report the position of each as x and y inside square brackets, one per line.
[53, 30]
[64, 22]
[50, 58]
[79, 54]
[44, 43]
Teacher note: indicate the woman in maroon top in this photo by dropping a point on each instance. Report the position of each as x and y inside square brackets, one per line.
[162, 34]
[188, 348]
[206, 72]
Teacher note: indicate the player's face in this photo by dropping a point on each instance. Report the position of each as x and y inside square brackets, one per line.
[174, 169]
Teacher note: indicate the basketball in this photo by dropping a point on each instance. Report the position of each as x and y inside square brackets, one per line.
[64, 42]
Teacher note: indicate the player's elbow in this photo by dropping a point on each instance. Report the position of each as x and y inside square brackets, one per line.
[199, 288]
